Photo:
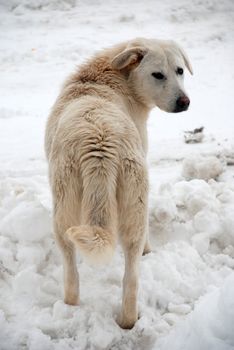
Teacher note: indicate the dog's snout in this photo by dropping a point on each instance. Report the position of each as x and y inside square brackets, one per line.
[182, 104]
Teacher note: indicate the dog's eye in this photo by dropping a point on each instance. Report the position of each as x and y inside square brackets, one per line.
[180, 71]
[158, 76]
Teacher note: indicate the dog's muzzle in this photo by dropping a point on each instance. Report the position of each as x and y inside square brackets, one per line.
[182, 104]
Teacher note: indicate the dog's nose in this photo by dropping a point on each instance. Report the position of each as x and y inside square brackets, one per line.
[182, 104]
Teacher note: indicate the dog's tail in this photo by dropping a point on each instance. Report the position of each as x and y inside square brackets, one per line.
[96, 238]
[94, 243]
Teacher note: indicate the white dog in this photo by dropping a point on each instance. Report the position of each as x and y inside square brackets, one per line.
[96, 145]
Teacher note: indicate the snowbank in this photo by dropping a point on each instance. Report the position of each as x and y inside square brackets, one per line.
[209, 326]
[192, 232]
[198, 167]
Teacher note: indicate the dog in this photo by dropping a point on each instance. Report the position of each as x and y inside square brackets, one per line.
[96, 146]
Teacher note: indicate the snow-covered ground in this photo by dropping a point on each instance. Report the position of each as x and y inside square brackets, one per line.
[186, 296]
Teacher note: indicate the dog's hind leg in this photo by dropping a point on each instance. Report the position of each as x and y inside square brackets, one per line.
[66, 213]
[71, 277]
[132, 202]
[129, 312]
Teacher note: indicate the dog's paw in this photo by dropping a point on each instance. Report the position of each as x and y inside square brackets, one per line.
[126, 323]
[72, 299]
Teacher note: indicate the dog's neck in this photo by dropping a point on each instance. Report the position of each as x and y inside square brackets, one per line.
[139, 115]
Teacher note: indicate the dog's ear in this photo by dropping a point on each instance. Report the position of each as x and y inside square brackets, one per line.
[186, 59]
[129, 58]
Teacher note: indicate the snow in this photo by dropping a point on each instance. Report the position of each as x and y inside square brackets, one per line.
[209, 325]
[186, 283]
[205, 168]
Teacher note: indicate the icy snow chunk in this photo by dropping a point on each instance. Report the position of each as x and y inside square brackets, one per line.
[27, 282]
[38, 341]
[207, 221]
[61, 310]
[200, 167]
[4, 271]
[201, 242]
[198, 201]
[170, 318]
[102, 339]
[6, 253]
[227, 217]
[6, 259]
[6, 335]
[31, 255]
[183, 189]
[102, 332]
[194, 196]
[227, 220]
[200, 197]
[164, 209]
[182, 309]
[181, 231]
[28, 221]
[226, 196]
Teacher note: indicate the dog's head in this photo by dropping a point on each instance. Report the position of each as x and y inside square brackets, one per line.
[155, 71]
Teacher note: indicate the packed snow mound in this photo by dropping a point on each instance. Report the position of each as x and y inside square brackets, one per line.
[192, 234]
[196, 211]
[209, 326]
[202, 167]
